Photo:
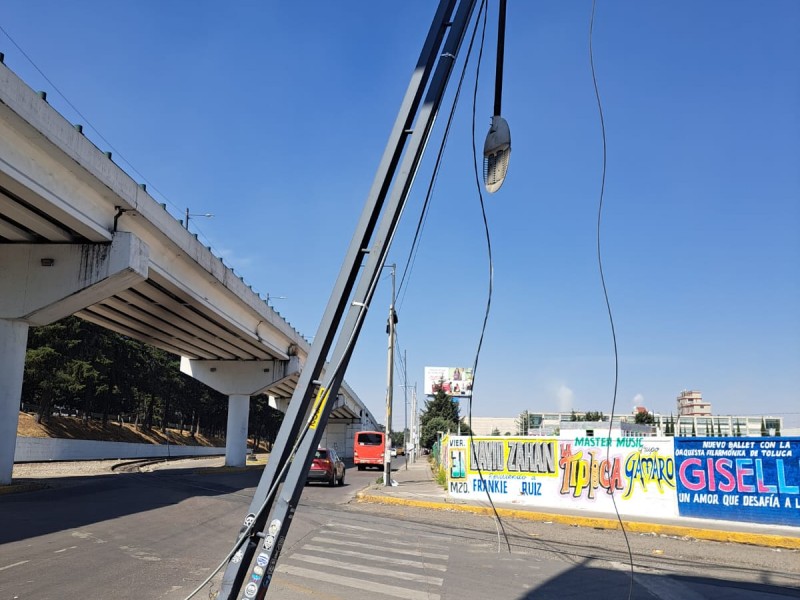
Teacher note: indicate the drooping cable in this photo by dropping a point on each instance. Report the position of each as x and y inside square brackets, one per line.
[605, 289]
[412, 254]
[478, 185]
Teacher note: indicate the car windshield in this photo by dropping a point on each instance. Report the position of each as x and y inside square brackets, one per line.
[321, 454]
[370, 439]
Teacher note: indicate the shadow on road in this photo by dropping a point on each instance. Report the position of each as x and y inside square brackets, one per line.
[584, 581]
[80, 501]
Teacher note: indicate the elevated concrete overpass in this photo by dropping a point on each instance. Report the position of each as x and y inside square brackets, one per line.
[79, 236]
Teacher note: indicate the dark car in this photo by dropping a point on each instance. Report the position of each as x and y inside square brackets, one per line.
[326, 466]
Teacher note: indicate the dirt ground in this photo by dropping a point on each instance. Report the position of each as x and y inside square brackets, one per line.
[75, 428]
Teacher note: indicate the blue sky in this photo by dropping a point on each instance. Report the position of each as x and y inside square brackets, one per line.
[273, 117]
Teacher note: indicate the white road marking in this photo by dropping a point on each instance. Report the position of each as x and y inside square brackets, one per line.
[373, 570]
[377, 558]
[64, 549]
[86, 535]
[412, 544]
[384, 548]
[384, 531]
[16, 564]
[360, 584]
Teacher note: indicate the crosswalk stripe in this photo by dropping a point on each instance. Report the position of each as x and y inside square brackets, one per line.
[395, 541]
[377, 588]
[384, 548]
[377, 558]
[385, 532]
[325, 562]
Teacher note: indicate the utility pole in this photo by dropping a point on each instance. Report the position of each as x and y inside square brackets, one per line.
[387, 460]
[253, 559]
[414, 425]
[405, 407]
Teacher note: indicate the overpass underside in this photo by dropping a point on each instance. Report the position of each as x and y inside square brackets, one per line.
[80, 237]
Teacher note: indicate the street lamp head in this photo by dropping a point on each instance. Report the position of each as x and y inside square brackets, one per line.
[188, 215]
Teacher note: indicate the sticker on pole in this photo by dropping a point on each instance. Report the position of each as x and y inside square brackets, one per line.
[319, 405]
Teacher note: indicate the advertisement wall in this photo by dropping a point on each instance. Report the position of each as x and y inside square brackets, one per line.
[677, 477]
[739, 479]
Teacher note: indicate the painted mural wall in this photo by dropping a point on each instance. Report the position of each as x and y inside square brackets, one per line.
[739, 479]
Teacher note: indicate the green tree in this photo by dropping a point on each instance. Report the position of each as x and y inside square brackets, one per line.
[593, 416]
[495, 431]
[694, 431]
[44, 380]
[441, 405]
[441, 413]
[398, 439]
[429, 431]
[644, 418]
[82, 368]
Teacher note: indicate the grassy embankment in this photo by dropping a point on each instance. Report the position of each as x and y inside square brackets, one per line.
[75, 428]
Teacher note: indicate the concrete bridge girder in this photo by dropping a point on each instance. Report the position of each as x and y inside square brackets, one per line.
[46, 282]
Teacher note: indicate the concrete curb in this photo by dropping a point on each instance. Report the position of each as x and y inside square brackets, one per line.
[737, 537]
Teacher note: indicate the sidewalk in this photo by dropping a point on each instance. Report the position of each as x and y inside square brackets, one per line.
[417, 487]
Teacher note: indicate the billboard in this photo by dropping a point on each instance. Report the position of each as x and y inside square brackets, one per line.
[739, 479]
[455, 381]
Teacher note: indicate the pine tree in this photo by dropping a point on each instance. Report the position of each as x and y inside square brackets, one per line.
[441, 413]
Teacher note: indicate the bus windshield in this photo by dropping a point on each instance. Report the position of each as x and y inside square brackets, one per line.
[370, 439]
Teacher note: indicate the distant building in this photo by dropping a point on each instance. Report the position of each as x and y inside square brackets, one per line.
[489, 425]
[575, 429]
[691, 404]
[561, 424]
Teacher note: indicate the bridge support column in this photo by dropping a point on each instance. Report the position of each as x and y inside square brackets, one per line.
[13, 342]
[236, 441]
[239, 380]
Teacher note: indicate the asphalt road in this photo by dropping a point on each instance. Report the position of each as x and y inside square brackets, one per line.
[157, 535]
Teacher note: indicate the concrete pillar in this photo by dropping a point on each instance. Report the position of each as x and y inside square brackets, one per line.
[281, 404]
[238, 416]
[13, 342]
[239, 380]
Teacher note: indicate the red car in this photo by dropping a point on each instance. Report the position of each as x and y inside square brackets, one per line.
[326, 466]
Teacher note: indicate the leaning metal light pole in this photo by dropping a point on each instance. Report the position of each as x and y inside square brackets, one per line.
[253, 559]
